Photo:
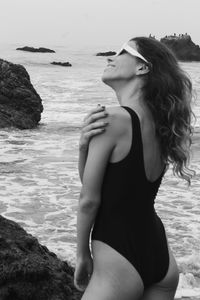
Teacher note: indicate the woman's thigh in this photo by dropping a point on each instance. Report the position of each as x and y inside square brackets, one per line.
[166, 288]
[114, 277]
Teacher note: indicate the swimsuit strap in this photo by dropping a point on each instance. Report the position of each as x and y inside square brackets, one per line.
[137, 148]
[137, 144]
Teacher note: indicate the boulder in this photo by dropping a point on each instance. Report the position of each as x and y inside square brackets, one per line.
[64, 64]
[20, 104]
[108, 53]
[29, 271]
[32, 49]
[183, 47]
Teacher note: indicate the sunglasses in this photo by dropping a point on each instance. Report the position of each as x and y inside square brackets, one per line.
[132, 51]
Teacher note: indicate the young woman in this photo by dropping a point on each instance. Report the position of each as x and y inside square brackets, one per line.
[121, 170]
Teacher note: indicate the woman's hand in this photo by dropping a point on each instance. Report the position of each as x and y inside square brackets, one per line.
[92, 125]
[83, 271]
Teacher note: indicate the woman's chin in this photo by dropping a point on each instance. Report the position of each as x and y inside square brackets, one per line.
[106, 78]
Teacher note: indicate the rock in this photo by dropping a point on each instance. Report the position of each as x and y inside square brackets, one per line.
[20, 104]
[32, 49]
[108, 53]
[183, 47]
[29, 271]
[64, 64]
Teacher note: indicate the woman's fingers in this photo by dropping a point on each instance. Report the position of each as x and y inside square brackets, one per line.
[90, 133]
[95, 114]
[95, 125]
[86, 136]
[92, 111]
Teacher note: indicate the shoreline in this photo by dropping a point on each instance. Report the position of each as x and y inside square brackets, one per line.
[187, 298]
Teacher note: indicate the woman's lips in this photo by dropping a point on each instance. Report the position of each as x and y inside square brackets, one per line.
[109, 67]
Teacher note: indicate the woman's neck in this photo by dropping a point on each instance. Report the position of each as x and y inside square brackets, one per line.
[130, 95]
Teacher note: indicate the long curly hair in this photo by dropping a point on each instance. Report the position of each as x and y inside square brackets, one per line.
[168, 93]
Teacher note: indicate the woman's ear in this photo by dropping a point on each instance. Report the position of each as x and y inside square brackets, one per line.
[142, 69]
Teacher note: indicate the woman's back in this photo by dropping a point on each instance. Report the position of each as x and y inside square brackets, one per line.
[151, 150]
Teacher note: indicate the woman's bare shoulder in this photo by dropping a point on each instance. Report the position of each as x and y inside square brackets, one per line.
[117, 118]
[115, 110]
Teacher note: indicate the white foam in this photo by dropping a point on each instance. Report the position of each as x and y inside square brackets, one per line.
[188, 286]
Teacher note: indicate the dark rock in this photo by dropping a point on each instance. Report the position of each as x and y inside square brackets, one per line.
[32, 49]
[29, 271]
[64, 64]
[183, 47]
[108, 53]
[20, 105]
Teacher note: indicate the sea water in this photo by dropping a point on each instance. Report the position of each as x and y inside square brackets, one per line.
[39, 180]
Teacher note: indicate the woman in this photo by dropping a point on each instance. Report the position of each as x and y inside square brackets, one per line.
[121, 170]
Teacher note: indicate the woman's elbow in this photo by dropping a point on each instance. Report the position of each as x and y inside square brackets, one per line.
[89, 201]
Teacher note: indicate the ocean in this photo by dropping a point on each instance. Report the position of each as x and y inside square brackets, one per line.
[39, 181]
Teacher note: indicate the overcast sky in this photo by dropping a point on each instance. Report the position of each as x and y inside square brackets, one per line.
[95, 22]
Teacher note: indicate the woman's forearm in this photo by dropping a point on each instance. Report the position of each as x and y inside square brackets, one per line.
[81, 162]
[85, 220]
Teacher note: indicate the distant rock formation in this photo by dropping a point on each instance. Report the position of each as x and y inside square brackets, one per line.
[108, 53]
[183, 47]
[152, 36]
[29, 271]
[20, 104]
[64, 64]
[31, 49]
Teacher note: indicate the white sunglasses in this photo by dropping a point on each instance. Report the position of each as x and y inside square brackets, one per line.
[132, 51]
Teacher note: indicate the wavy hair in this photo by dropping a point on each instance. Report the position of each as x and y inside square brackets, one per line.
[168, 94]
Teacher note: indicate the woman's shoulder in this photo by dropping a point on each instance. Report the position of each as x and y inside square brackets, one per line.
[117, 118]
[115, 110]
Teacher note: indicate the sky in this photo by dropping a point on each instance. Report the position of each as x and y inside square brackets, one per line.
[95, 22]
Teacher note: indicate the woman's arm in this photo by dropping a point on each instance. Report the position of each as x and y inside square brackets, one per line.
[91, 126]
[81, 162]
[100, 149]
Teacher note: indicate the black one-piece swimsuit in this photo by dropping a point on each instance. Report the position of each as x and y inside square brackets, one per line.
[126, 219]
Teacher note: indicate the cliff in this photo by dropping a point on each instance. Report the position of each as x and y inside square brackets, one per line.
[183, 47]
[20, 104]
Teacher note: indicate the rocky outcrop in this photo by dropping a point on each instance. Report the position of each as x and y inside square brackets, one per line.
[29, 271]
[63, 64]
[32, 49]
[108, 53]
[183, 47]
[20, 104]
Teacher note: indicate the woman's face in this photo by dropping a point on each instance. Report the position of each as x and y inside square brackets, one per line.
[122, 67]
